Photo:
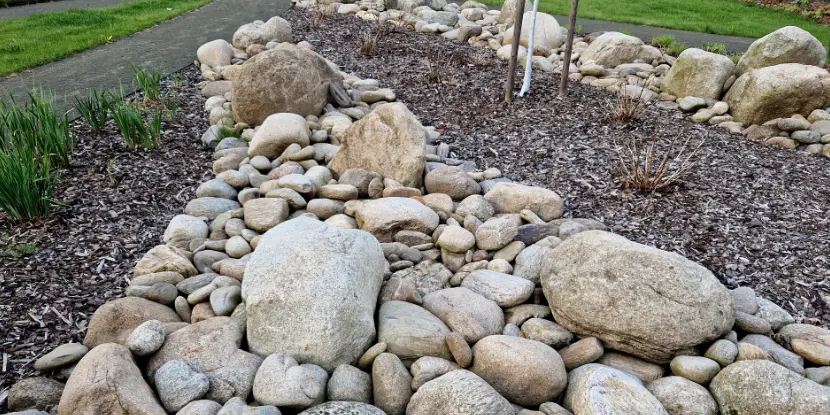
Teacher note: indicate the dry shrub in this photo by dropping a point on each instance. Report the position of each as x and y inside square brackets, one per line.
[628, 108]
[320, 14]
[436, 67]
[368, 43]
[648, 165]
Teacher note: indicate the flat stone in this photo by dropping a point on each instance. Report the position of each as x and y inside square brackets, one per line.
[695, 368]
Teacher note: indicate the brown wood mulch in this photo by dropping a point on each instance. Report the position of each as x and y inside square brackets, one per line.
[117, 205]
[754, 215]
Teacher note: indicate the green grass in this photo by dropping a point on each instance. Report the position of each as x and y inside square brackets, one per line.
[722, 17]
[42, 38]
[662, 41]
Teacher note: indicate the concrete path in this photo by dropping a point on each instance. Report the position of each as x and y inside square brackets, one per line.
[692, 39]
[56, 6]
[169, 46]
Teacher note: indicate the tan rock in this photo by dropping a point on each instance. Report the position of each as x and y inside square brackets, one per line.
[809, 342]
[107, 381]
[389, 141]
[788, 44]
[115, 320]
[635, 298]
[271, 82]
[164, 258]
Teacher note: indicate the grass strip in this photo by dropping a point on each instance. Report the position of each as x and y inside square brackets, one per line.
[42, 38]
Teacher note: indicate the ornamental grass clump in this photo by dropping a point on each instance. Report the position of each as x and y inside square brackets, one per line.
[95, 108]
[34, 143]
[649, 165]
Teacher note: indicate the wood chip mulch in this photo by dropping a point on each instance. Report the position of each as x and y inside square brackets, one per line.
[754, 215]
[116, 205]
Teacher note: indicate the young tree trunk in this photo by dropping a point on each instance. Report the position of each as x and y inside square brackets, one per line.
[566, 63]
[517, 35]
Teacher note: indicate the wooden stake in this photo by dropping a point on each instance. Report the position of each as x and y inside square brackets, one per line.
[517, 35]
[566, 64]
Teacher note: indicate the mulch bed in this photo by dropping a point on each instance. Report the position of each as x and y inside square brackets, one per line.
[117, 205]
[754, 215]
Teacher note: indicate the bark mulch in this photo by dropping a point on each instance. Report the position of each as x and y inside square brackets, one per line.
[754, 215]
[117, 204]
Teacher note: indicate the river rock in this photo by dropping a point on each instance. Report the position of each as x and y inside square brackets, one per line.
[281, 381]
[458, 392]
[635, 298]
[612, 49]
[809, 342]
[343, 408]
[107, 381]
[178, 384]
[115, 320]
[760, 387]
[681, 396]
[334, 289]
[599, 389]
[547, 33]
[276, 29]
[391, 384]
[276, 133]
[63, 355]
[410, 331]
[270, 83]
[348, 383]
[164, 258]
[505, 289]
[385, 217]
[452, 181]
[425, 276]
[389, 141]
[524, 371]
[211, 347]
[514, 197]
[215, 53]
[466, 312]
[35, 392]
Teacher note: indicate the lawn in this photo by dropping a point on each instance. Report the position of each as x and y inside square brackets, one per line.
[722, 17]
[42, 38]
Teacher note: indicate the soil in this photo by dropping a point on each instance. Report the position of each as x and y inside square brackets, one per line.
[115, 205]
[754, 215]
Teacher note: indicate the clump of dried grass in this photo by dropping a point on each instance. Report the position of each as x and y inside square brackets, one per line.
[628, 108]
[646, 165]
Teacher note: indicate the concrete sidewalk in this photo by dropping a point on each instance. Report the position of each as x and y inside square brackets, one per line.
[692, 39]
[169, 46]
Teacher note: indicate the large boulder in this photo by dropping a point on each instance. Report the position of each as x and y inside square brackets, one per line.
[285, 79]
[276, 29]
[761, 387]
[385, 217]
[389, 141]
[524, 371]
[215, 53]
[611, 49]
[277, 132]
[107, 381]
[458, 392]
[699, 74]
[547, 34]
[599, 389]
[635, 298]
[211, 347]
[310, 291]
[115, 320]
[778, 91]
[788, 44]
[411, 332]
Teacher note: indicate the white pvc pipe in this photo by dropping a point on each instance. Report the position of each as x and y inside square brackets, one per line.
[529, 62]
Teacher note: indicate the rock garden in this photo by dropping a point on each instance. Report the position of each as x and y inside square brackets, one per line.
[378, 234]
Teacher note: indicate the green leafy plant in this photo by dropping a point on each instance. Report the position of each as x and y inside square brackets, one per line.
[714, 47]
[136, 132]
[626, 32]
[95, 108]
[26, 182]
[37, 127]
[735, 57]
[662, 42]
[150, 82]
[15, 250]
[676, 49]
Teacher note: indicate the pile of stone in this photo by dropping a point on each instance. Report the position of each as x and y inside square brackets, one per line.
[780, 78]
[338, 263]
